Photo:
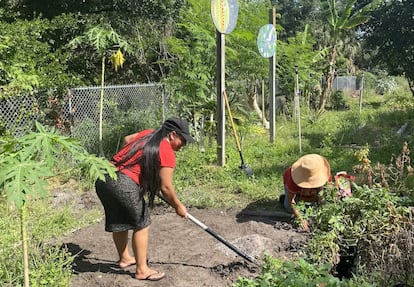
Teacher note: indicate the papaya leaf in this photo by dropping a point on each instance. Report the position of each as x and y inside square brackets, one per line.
[95, 167]
[27, 162]
[23, 178]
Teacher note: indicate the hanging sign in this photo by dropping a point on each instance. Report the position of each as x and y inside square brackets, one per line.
[266, 41]
[224, 14]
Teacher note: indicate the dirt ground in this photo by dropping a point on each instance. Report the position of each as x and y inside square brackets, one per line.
[188, 254]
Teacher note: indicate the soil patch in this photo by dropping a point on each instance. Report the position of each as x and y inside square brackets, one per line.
[185, 252]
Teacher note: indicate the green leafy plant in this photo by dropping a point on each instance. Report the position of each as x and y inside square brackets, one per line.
[102, 39]
[54, 268]
[366, 224]
[385, 85]
[396, 175]
[339, 22]
[26, 163]
[298, 273]
[338, 101]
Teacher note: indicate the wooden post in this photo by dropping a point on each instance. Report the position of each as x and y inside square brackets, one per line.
[263, 106]
[221, 118]
[272, 86]
[361, 89]
[297, 105]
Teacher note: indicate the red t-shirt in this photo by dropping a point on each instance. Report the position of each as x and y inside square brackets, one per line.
[288, 181]
[166, 157]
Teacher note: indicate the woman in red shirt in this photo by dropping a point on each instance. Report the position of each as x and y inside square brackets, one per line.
[145, 166]
[303, 181]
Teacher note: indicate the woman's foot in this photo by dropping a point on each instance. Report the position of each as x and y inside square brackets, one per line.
[153, 275]
[126, 262]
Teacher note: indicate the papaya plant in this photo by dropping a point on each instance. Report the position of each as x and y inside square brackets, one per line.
[28, 162]
[103, 39]
[340, 19]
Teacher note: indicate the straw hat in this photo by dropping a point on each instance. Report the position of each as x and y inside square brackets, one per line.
[310, 171]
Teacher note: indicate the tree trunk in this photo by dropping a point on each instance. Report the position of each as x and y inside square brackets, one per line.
[101, 151]
[411, 85]
[24, 245]
[252, 100]
[327, 85]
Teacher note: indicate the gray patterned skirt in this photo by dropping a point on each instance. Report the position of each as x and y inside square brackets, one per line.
[124, 208]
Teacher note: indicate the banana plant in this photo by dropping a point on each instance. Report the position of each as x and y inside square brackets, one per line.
[103, 39]
[340, 20]
[26, 164]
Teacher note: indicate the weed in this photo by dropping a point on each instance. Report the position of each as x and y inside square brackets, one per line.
[397, 175]
[51, 266]
[371, 224]
[299, 273]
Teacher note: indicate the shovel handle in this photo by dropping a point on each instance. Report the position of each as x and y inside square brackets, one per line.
[232, 122]
[196, 221]
[215, 235]
[221, 239]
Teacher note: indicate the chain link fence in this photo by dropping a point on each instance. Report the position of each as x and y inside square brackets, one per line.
[80, 110]
[83, 108]
[17, 114]
[342, 83]
[83, 103]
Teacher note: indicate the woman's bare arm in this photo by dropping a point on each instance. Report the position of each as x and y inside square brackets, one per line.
[168, 191]
[129, 138]
[291, 201]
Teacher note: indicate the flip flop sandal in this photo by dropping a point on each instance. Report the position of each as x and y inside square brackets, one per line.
[154, 276]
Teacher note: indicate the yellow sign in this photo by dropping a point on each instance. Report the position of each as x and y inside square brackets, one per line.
[224, 14]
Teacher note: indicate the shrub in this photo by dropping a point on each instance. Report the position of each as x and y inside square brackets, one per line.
[369, 230]
[276, 272]
[338, 101]
[385, 85]
[125, 124]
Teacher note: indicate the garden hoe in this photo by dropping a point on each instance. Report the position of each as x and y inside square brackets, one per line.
[247, 170]
[216, 236]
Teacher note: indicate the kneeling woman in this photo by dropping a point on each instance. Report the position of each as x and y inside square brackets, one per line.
[303, 181]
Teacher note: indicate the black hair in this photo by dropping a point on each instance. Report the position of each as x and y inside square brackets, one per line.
[149, 178]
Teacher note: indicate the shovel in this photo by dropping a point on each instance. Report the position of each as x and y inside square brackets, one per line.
[216, 236]
[247, 170]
